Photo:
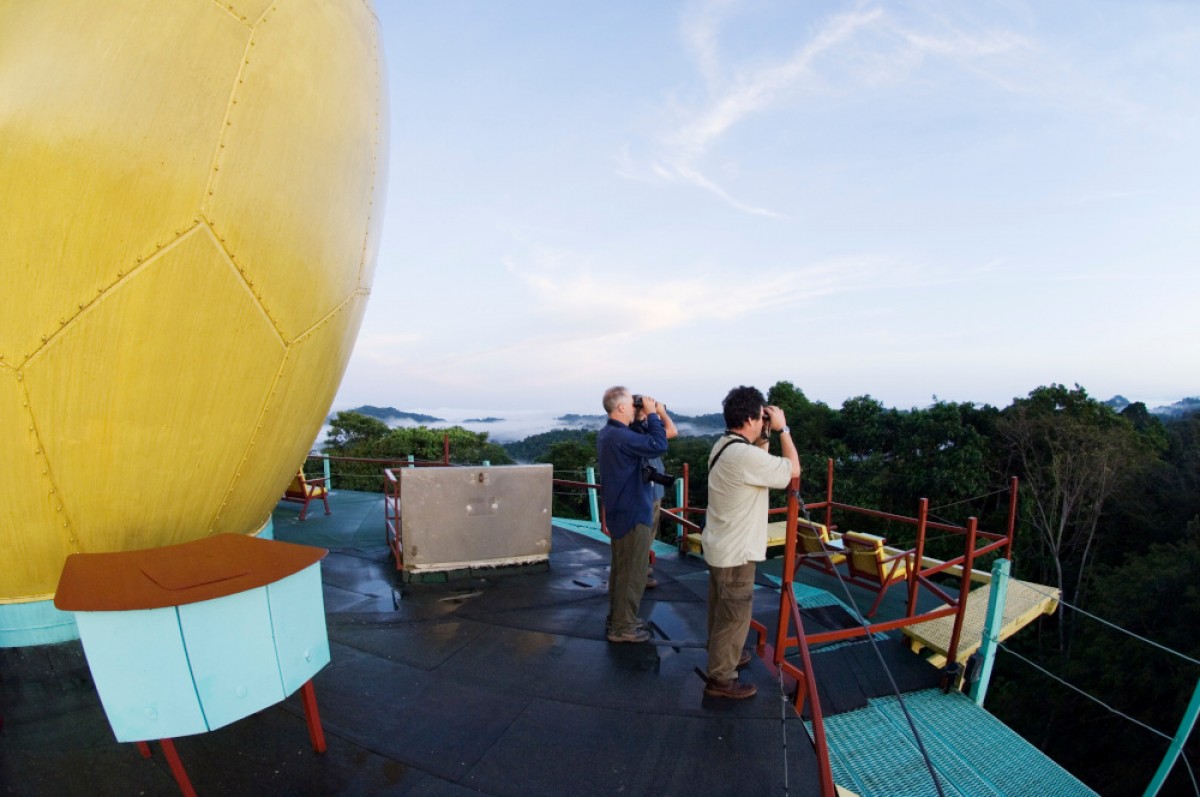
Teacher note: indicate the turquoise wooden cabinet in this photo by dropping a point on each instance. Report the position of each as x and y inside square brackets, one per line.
[189, 638]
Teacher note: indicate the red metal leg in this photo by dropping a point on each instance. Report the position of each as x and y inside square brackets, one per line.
[309, 696]
[177, 769]
[144, 749]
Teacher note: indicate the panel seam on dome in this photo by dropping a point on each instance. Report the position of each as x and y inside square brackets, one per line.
[246, 282]
[239, 79]
[231, 11]
[325, 319]
[366, 239]
[245, 457]
[71, 537]
[105, 291]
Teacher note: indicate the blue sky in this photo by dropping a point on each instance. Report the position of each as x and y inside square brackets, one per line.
[966, 200]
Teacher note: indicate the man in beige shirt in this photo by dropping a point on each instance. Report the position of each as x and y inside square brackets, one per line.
[735, 533]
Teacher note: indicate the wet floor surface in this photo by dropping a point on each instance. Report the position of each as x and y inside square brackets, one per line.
[499, 684]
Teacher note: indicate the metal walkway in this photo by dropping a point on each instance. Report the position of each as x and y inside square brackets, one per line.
[973, 753]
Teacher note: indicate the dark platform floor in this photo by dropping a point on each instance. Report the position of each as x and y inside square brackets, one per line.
[498, 684]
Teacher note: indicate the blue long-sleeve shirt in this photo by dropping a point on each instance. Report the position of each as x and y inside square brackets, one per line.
[622, 453]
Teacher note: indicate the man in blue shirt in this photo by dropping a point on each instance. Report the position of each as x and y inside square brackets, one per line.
[628, 505]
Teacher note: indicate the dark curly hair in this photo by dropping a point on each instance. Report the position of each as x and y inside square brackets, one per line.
[742, 404]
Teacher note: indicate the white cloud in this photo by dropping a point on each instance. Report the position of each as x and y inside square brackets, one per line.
[626, 302]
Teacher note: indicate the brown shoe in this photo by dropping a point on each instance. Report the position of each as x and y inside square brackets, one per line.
[745, 659]
[731, 689]
[635, 634]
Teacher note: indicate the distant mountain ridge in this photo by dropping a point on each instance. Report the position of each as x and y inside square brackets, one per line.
[700, 425]
[386, 414]
[1180, 408]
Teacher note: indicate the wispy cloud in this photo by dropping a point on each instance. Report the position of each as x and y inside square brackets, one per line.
[866, 47]
[757, 89]
[737, 94]
[615, 303]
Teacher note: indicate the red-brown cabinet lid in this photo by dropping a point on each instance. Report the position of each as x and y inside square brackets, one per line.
[174, 575]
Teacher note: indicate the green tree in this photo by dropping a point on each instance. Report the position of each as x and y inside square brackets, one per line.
[811, 423]
[571, 457]
[395, 446]
[692, 451]
[1155, 595]
[351, 428]
[1071, 453]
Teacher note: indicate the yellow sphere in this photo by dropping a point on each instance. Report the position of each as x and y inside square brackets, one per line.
[190, 194]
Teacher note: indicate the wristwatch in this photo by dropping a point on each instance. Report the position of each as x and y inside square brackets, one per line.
[785, 430]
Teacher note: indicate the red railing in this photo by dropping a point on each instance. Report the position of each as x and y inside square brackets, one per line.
[919, 575]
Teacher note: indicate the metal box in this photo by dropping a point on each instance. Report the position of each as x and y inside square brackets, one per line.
[461, 517]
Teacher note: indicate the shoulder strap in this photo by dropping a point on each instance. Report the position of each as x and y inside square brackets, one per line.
[713, 462]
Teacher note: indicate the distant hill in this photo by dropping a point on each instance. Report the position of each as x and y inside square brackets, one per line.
[386, 414]
[700, 425]
[590, 421]
[534, 446]
[697, 425]
[1180, 408]
[1177, 410]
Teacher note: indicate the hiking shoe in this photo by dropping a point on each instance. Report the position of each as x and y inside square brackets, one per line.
[635, 634]
[732, 689]
[744, 659]
[639, 624]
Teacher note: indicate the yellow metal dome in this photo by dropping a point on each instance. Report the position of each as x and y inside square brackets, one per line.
[189, 216]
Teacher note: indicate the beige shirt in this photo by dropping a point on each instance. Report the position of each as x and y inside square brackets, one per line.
[735, 531]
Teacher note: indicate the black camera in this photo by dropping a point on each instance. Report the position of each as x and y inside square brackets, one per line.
[652, 475]
[637, 402]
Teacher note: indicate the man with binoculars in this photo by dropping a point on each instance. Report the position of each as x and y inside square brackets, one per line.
[621, 453]
[740, 471]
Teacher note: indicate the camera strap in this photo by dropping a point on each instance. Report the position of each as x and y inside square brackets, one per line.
[737, 439]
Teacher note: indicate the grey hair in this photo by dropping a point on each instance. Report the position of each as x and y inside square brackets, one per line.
[614, 396]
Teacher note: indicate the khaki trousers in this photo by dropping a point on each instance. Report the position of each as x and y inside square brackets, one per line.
[627, 578]
[730, 602]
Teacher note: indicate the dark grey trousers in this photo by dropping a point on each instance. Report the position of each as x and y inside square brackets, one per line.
[627, 578]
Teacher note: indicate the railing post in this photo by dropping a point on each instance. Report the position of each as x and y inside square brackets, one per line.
[679, 493]
[1181, 736]
[445, 448]
[829, 492]
[919, 559]
[1012, 516]
[991, 628]
[328, 481]
[593, 499]
[964, 591]
[789, 571]
[412, 461]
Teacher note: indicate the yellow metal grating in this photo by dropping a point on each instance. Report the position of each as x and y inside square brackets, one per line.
[1023, 604]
